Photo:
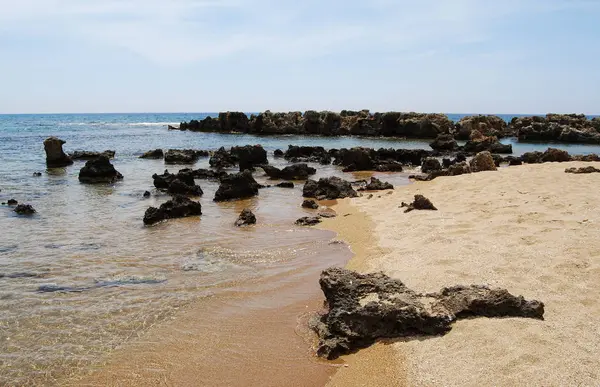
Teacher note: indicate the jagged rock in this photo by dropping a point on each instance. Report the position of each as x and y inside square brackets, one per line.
[376, 185]
[222, 159]
[363, 308]
[285, 184]
[420, 203]
[24, 209]
[291, 172]
[55, 156]
[355, 159]
[430, 164]
[483, 161]
[490, 144]
[329, 188]
[555, 155]
[178, 187]
[444, 143]
[574, 128]
[181, 183]
[313, 154]
[98, 171]
[310, 204]
[589, 169]
[153, 154]
[249, 156]
[184, 156]
[498, 160]
[278, 153]
[487, 125]
[178, 207]
[308, 221]
[237, 186]
[12, 202]
[327, 214]
[87, 155]
[246, 218]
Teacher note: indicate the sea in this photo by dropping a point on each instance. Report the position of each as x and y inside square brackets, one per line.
[124, 282]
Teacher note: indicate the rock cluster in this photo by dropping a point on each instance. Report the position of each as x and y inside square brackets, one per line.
[181, 183]
[24, 209]
[557, 127]
[291, 172]
[483, 161]
[153, 154]
[376, 185]
[581, 170]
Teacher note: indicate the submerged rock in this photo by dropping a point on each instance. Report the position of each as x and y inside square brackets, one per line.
[237, 186]
[37, 174]
[178, 207]
[88, 155]
[308, 221]
[146, 194]
[246, 218]
[182, 188]
[329, 188]
[444, 143]
[98, 171]
[420, 203]
[55, 156]
[153, 154]
[310, 204]
[222, 159]
[589, 169]
[363, 308]
[25, 209]
[483, 161]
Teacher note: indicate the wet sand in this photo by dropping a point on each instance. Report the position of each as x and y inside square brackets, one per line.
[531, 229]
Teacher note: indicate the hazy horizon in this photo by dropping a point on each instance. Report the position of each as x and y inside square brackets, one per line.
[253, 55]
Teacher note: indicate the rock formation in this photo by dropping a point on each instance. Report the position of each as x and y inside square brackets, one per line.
[575, 128]
[237, 186]
[55, 156]
[249, 156]
[24, 209]
[483, 161]
[88, 155]
[178, 207]
[291, 172]
[246, 218]
[328, 188]
[98, 171]
[430, 164]
[310, 204]
[420, 203]
[184, 156]
[308, 221]
[581, 170]
[376, 185]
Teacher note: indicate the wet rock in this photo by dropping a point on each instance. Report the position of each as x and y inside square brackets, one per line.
[430, 164]
[222, 159]
[184, 156]
[88, 155]
[55, 156]
[99, 171]
[246, 218]
[164, 181]
[153, 154]
[12, 202]
[278, 153]
[37, 174]
[376, 185]
[291, 172]
[363, 308]
[24, 209]
[285, 184]
[237, 186]
[420, 203]
[147, 194]
[208, 174]
[589, 169]
[555, 155]
[313, 154]
[310, 204]
[498, 160]
[459, 169]
[179, 187]
[487, 125]
[573, 128]
[178, 207]
[308, 221]
[355, 159]
[329, 188]
[483, 161]
[490, 144]
[249, 156]
[444, 143]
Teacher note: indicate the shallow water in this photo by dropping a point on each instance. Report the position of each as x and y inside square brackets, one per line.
[129, 277]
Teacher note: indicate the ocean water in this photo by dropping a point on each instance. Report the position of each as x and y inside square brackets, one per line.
[86, 235]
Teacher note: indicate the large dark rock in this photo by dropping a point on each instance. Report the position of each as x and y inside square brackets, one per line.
[12, 202]
[487, 125]
[55, 156]
[313, 154]
[420, 203]
[329, 188]
[184, 156]
[363, 308]
[153, 154]
[178, 207]
[483, 161]
[310, 204]
[178, 187]
[382, 160]
[532, 157]
[444, 143]
[249, 156]
[163, 181]
[291, 172]
[482, 144]
[237, 186]
[209, 174]
[308, 221]
[98, 171]
[278, 153]
[24, 209]
[430, 164]
[222, 159]
[355, 159]
[88, 155]
[246, 218]
[377, 185]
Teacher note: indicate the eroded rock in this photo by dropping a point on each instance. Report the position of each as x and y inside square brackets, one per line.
[55, 156]
[376, 185]
[25, 209]
[308, 221]
[483, 161]
[291, 172]
[90, 155]
[581, 170]
[178, 207]
[237, 186]
[310, 204]
[99, 171]
[246, 218]
[184, 156]
[329, 188]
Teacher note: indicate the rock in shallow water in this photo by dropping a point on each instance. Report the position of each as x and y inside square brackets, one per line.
[55, 156]
[329, 188]
[246, 218]
[178, 207]
[310, 204]
[88, 155]
[25, 209]
[153, 154]
[98, 171]
[483, 161]
[366, 307]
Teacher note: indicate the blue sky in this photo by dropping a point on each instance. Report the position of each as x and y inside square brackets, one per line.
[464, 56]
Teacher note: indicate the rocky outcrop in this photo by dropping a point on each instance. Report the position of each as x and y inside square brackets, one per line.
[237, 186]
[480, 143]
[581, 170]
[184, 156]
[310, 204]
[420, 203]
[444, 143]
[24, 209]
[278, 153]
[153, 154]
[308, 221]
[291, 172]
[328, 188]
[574, 128]
[178, 207]
[181, 183]
[550, 155]
[490, 126]
[285, 184]
[430, 164]
[88, 155]
[55, 156]
[222, 159]
[249, 156]
[12, 202]
[376, 185]
[588, 157]
[363, 308]
[483, 161]
[99, 171]
[246, 218]
[381, 160]
[307, 154]
[225, 122]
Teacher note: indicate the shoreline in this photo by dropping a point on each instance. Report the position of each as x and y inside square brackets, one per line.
[529, 229]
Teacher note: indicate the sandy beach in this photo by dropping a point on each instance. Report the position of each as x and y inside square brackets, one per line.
[531, 229]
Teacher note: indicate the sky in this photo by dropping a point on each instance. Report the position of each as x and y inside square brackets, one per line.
[451, 56]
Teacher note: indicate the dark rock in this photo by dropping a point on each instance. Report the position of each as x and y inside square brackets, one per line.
[147, 194]
[222, 159]
[363, 308]
[376, 185]
[24, 209]
[208, 174]
[555, 155]
[513, 160]
[99, 170]
[171, 127]
[184, 156]
[178, 207]
[329, 188]
[285, 184]
[483, 161]
[246, 218]
[589, 169]
[498, 160]
[490, 144]
[310, 204]
[356, 159]
[430, 164]
[237, 186]
[153, 154]
[308, 221]
[420, 203]
[164, 181]
[249, 156]
[459, 169]
[37, 174]
[55, 156]
[87, 155]
[12, 202]
[314, 154]
[178, 187]
[532, 157]
[487, 125]
[444, 143]
[291, 172]
[278, 153]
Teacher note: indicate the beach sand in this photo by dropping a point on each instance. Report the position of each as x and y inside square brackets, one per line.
[531, 229]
